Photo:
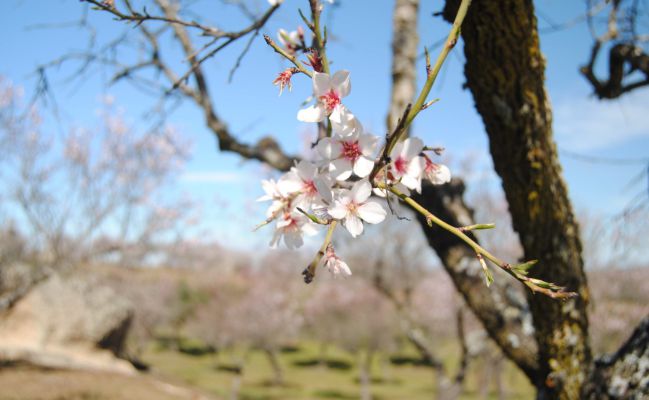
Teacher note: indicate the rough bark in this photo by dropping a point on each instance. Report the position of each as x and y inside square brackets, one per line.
[505, 73]
[405, 42]
[625, 374]
[500, 310]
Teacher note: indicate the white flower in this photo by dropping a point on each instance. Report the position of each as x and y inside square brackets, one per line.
[334, 264]
[328, 91]
[291, 40]
[405, 164]
[353, 205]
[438, 174]
[275, 2]
[313, 187]
[344, 123]
[291, 226]
[348, 154]
[273, 192]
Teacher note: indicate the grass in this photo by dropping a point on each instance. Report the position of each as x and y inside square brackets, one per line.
[307, 378]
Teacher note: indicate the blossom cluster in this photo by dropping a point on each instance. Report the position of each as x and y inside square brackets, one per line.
[338, 183]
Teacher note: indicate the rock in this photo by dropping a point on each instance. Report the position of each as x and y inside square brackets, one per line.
[68, 322]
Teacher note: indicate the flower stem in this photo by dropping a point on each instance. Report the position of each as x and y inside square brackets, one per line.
[319, 42]
[535, 285]
[309, 272]
[432, 73]
[288, 56]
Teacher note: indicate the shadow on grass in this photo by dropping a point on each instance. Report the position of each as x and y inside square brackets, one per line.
[331, 364]
[232, 369]
[381, 381]
[405, 360]
[289, 349]
[334, 394]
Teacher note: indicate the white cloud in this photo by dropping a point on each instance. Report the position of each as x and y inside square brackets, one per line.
[210, 177]
[585, 123]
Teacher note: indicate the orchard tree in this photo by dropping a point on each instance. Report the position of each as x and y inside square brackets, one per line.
[54, 190]
[505, 74]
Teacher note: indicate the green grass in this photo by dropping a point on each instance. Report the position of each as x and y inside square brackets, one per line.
[306, 378]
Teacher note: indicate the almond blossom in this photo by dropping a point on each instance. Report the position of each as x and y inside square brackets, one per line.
[284, 80]
[279, 200]
[291, 227]
[291, 40]
[344, 123]
[348, 154]
[353, 207]
[406, 166]
[334, 264]
[437, 174]
[312, 188]
[328, 92]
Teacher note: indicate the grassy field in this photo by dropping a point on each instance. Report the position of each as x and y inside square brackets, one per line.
[307, 378]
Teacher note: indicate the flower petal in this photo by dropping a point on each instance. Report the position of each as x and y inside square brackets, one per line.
[343, 122]
[314, 113]
[372, 212]
[338, 211]
[321, 83]
[323, 186]
[396, 150]
[306, 170]
[341, 83]
[293, 239]
[440, 175]
[340, 169]
[363, 167]
[412, 147]
[367, 143]
[354, 225]
[361, 191]
[411, 182]
[289, 183]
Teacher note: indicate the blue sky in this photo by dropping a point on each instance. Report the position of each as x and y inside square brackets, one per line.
[359, 42]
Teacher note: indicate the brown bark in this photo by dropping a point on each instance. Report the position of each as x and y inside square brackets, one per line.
[505, 73]
[405, 41]
[496, 307]
[625, 374]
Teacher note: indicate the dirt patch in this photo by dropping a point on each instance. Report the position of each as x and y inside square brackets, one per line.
[27, 383]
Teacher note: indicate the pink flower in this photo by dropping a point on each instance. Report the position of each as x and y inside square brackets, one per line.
[328, 92]
[279, 200]
[334, 264]
[405, 164]
[291, 226]
[311, 187]
[344, 123]
[284, 80]
[348, 154]
[438, 174]
[353, 207]
[291, 40]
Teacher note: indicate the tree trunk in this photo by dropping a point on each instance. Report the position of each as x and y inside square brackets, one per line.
[505, 73]
[488, 304]
[364, 374]
[278, 374]
[625, 374]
